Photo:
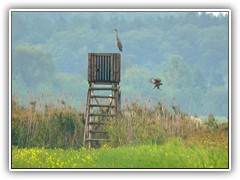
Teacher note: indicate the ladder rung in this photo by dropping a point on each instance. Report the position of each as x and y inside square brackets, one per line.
[101, 105]
[92, 131]
[98, 140]
[98, 96]
[96, 123]
[92, 114]
[102, 88]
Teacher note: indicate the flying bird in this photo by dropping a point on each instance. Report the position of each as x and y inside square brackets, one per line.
[118, 42]
[157, 82]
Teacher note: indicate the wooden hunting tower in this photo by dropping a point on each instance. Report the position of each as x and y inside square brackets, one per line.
[104, 96]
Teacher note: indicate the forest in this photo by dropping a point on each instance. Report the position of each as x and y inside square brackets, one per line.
[189, 51]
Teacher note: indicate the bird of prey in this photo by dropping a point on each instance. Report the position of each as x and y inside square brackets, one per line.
[118, 42]
[157, 82]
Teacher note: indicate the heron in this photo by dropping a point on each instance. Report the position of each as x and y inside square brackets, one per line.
[118, 42]
[157, 82]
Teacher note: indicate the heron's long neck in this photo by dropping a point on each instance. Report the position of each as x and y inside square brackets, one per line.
[116, 35]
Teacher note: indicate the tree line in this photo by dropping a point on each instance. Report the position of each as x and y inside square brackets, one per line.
[187, 50]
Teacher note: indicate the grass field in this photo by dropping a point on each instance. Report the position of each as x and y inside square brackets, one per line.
[174, 154]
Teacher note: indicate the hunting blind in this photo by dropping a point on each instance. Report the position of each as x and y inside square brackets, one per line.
[103, 68]
[104, 96]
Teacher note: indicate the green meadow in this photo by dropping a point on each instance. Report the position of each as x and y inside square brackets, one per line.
[174, 154]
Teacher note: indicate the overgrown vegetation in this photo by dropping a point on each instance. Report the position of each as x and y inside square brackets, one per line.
[50, 135]
[141, 124]
[44, 123]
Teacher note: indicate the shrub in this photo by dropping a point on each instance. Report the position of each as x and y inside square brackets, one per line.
[212, 123]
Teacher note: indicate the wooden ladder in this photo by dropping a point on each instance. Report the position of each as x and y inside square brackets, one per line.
[99, 108]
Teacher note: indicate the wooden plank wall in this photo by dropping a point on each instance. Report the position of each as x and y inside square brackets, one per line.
[104, 67]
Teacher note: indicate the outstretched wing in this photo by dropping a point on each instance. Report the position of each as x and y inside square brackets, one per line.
[152, 80]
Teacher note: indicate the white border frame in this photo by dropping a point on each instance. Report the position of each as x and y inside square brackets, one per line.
[124, 10]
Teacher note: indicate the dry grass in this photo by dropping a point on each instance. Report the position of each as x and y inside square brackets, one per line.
[139, 123]
[46, 124]
[56, 124]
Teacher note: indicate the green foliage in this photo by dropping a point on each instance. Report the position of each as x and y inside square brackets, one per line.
[216, 98]
[132, 81]
[70, 84]
[18, 85]
[212, 123]
[32, 64]
[177, 73]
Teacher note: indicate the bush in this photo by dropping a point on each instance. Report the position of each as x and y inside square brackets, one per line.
[212, 123]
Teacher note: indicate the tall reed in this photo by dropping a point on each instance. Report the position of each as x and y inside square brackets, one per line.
[139, 123]
[50, 123]
[46, 124]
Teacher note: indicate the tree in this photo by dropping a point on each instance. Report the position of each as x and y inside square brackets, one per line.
[184, 84]
[216, 100]
[32, 64]
[177, 73]
[135, 82]
[198, 68]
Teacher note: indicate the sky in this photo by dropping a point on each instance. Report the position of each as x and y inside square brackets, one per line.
[217, 13]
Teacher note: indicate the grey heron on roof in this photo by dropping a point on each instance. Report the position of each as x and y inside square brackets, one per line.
[118, 42]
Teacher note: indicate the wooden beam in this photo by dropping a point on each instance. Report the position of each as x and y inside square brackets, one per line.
[92, 131]
[98, 140]
[101, 105]
[106, 115]
[98, 96]
[102, 88]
